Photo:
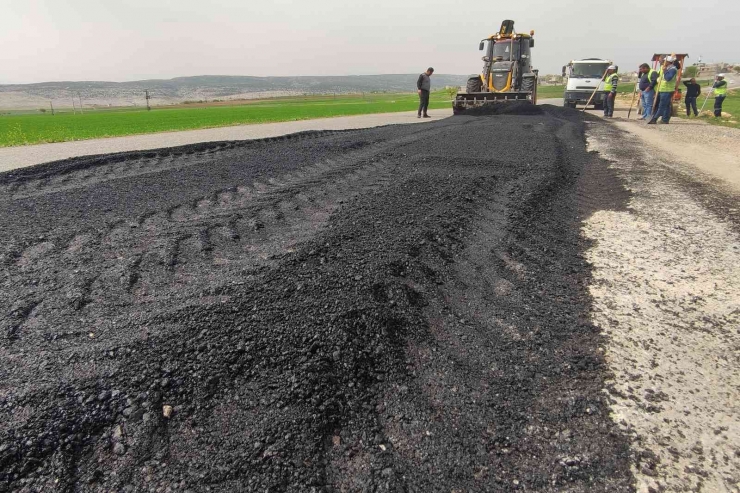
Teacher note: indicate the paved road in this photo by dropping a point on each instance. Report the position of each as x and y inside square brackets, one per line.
[387, 309]
[19, 157]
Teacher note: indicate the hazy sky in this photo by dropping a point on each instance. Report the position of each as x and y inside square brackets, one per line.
[46, 40]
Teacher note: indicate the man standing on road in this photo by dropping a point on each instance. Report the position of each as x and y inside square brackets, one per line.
[720, 93]
[648, 81]
[611, 79]
[692, 92]
[423, 86]
[665, 92]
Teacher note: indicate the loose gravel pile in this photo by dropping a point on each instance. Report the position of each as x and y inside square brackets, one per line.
[396, 309]
[505, 108]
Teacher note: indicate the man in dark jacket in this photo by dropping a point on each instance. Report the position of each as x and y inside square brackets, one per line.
[692, 92]
[423, 86]
[648, 81]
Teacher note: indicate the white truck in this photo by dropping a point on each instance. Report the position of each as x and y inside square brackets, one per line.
[581, 78]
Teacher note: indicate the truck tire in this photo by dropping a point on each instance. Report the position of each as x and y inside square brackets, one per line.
[474, 84]
[598, 106]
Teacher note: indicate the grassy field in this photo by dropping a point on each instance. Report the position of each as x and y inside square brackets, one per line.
[22, 129]
[731, 106]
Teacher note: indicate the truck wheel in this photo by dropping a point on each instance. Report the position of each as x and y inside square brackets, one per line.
[598, 106]
[473, 85]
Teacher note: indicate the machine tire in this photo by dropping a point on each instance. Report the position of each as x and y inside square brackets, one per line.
[599, 106]
[474, 84]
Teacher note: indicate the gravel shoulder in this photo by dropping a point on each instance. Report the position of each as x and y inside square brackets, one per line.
[666, 292]
[712, 150]
[17, 157]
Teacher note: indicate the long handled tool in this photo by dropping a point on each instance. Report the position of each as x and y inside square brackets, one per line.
[633, 101]
[603, 77]
[705, 100]
[711, 90]
[657, 87]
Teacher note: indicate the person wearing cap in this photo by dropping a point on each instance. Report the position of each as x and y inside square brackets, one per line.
[423, 86]
[693, 90]
[648, 81]
[611, 79]
[666, 88]
[720, 93]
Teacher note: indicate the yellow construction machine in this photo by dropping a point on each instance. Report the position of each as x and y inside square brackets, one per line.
[507, 71]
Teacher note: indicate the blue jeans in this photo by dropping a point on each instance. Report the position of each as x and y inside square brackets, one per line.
[647, 98]
[608, 105]
[718, 100]
[664, 106]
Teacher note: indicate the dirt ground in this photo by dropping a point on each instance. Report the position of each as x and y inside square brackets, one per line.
[403, 308]
[667, 294]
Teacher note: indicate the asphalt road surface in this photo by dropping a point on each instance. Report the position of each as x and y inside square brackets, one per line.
[527, 301]
[391, 309]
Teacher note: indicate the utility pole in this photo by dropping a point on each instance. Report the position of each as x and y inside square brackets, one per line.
[148, 108]
[52, 108]
[81, 112]
[74, 109]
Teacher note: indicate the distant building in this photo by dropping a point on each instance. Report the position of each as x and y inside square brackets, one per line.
[709, 70]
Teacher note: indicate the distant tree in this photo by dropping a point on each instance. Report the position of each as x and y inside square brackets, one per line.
[690, 72]
[451, 91]
[736, 69]
[42, 110]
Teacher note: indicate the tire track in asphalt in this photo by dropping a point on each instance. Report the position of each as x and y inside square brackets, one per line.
[371, 310]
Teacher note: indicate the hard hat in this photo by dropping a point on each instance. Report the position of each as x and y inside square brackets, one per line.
[669, 58]
[721, 75]
[611, 67]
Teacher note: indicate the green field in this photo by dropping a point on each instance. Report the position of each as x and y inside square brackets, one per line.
[731, 106]
[22, 129]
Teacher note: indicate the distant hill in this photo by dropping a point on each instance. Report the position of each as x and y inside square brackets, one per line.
[204, 87]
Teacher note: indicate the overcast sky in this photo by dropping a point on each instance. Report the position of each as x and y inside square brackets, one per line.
[122, 40]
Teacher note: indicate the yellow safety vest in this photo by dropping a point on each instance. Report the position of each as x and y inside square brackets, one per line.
[720, 91]
[668, 85]
[608, 85]
[650, 76]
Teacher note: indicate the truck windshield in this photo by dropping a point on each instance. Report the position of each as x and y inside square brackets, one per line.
[588, 70]
[503, 49]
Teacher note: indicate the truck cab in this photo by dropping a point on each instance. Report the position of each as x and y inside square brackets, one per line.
[582, 77]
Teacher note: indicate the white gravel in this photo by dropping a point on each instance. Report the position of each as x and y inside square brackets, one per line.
[19, 157]
[666, 289]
